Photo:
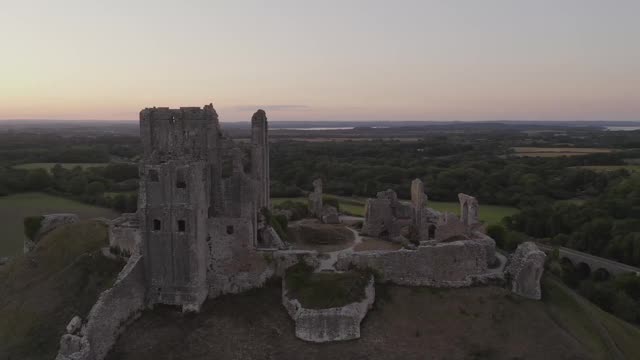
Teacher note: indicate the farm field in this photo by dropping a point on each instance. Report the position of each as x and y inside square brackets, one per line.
[49, 166]
[556, 152]
[606, 168]
[14, 208]
[491, 214]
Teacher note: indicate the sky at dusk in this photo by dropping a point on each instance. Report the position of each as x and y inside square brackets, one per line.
[322, 60]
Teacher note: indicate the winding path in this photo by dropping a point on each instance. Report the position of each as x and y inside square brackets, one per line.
[329, 263]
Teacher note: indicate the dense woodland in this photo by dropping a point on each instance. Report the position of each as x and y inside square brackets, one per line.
[592, 211]
[560, 202]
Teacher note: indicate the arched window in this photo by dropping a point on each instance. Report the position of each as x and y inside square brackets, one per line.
[432, 232]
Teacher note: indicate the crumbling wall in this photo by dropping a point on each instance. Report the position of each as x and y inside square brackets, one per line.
[333, 324]
[235, 265]
[260, 157]
[469, 210]
[385, 216]
[452, 264]
[315, 198]
[124, 234]
[114, 310]
[525, 269]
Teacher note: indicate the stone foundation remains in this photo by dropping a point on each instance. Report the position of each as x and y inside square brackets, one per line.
[333, 324]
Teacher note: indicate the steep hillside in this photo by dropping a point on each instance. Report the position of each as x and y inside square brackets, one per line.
[41, 291]
[406, 323]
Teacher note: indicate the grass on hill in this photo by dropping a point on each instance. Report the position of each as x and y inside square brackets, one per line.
[41, 291]
[49, 166]
[14, 208]
[586, 322]
[483, 322]
[491, 214]
[325, 290]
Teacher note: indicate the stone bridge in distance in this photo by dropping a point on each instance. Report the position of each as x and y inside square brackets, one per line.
[594, 263]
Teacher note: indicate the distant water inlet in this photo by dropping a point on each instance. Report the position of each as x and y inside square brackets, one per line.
[622, 128]
[316, 128]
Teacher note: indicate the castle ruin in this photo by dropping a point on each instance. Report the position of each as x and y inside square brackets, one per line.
[187, 203]
[202, 229]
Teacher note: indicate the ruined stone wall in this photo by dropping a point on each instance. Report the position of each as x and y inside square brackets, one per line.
[525, 269]
[260, 157]
[235, 265]
[469, 209]
[378, 217]
[174, 198]
[124, 234]
[315, 198]
[109, 316]
[452, 264]
[334, 324]
[184, 132]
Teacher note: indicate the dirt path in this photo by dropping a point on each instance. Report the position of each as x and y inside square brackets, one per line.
[329, 262]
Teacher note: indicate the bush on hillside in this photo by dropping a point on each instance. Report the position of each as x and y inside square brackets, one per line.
[32, 225]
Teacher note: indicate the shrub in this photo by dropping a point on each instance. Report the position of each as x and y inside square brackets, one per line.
[299, 210]
[32, 225]
[327, 200]
[498, 233]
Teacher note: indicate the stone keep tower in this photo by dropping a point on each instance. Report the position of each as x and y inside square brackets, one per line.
[179, 148]
[260, 158]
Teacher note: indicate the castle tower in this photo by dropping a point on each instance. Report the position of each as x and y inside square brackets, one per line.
[260, 157]
[174, 200]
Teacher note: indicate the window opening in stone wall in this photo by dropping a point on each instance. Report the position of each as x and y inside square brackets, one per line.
[180, 181]
[153, 176]
[229, 229]
[432, 232]
[182, 226]
[157, 225]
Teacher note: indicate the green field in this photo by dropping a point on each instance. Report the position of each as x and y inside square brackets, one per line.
[14, 208]
[49, 166]
[491, 214]
[606, 168]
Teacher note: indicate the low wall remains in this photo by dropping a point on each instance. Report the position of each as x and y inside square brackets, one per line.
[109, 316]
[453, 264]
[333, 324]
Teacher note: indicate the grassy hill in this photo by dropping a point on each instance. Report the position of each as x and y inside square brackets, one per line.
[14, 208]
[41, 291]
[406, 323]
[491, 214]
